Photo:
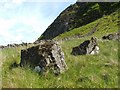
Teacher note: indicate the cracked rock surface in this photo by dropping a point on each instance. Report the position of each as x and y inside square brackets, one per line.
[44, 56]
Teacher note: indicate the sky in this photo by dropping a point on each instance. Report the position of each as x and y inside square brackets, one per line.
[25, 20]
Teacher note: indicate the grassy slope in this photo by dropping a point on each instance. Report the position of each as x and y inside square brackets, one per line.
[77, 15]
[84, 71]
[108, 24]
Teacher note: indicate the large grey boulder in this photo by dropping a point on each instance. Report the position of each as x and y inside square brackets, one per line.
[44, 56]
[87, 47]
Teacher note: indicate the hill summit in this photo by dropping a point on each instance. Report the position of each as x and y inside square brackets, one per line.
[77, 15]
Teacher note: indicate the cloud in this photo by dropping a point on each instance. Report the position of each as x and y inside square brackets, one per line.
[5, 24]
[9, 4]
[4, 28]
[18, 2]
[26, 21]
[16, 29]
[5, 33]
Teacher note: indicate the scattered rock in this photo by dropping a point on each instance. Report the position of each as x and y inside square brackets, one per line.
[44, 56]
[87, 47]
[114, 36]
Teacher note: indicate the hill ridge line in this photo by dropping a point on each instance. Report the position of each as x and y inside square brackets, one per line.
[81, 36]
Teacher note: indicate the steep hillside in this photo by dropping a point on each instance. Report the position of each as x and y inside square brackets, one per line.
[76, 15]
[103, 26]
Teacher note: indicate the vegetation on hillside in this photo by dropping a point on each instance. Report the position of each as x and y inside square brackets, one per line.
[107, 24]
[78, 15]
[86, 71]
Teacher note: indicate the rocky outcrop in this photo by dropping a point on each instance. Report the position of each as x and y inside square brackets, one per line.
[76, 15]
[87, 47]
[44, 56]
[115, 36]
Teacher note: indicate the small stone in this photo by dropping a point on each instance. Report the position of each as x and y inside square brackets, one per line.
[37, 69]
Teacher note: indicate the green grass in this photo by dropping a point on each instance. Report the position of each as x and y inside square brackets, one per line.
[86, 71]
[108, 24]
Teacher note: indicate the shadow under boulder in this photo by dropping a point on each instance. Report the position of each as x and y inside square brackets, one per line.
[43, 57]
[87, 47]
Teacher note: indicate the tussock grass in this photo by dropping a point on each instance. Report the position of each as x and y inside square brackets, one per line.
[94, 70]
[86, 71]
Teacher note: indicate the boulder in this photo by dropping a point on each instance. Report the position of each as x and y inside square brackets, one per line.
[44, 56]
[87, 47]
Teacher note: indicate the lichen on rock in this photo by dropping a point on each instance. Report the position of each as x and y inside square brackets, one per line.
[44, 56]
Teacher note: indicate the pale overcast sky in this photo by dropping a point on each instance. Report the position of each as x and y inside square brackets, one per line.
[26, 20]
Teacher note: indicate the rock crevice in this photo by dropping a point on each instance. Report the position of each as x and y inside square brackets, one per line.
[45, 56]
[87, 47]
